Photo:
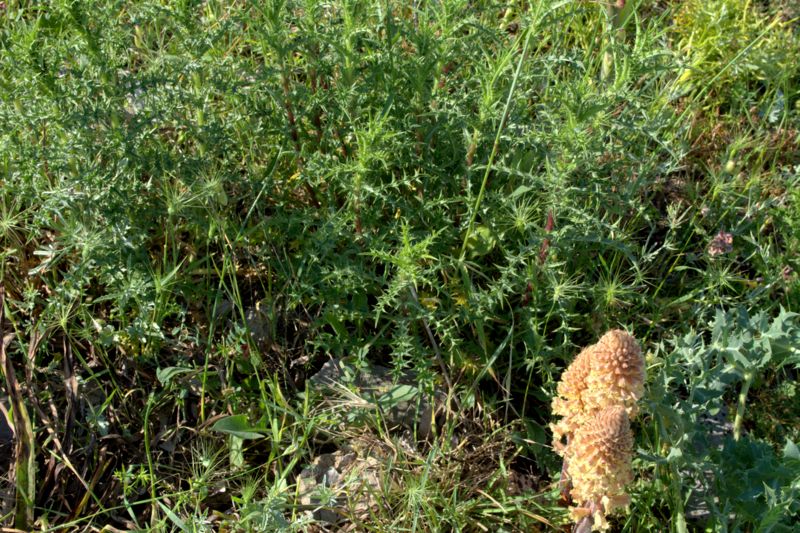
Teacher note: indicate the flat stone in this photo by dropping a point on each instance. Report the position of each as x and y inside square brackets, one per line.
[347, 479]
[373, 383]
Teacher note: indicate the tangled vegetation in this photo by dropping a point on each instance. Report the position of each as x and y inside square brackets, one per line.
[205, 207]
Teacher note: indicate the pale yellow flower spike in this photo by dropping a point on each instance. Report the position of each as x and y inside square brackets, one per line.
[600, 465]
[617, 374]
[569, 404]
[597, 395]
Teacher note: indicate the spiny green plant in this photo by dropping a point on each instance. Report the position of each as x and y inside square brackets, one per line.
[202, 204]
[709, 373]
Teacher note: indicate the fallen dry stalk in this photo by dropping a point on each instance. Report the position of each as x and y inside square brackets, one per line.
[25, 466]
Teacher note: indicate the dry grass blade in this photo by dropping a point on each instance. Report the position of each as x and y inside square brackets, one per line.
[98, 473]
[25, 467]
[51, 475]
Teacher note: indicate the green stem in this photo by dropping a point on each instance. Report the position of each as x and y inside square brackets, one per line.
[150, 468]
[737, 422]
[496, 144]
[677, 500]
[608, 59]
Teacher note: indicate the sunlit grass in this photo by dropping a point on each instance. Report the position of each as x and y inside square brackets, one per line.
[201, 204]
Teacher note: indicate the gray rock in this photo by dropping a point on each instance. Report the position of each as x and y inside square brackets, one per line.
[256, 321]
[401, 404]
[339, 481]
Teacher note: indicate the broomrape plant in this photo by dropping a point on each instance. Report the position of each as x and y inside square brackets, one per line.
[596, 396]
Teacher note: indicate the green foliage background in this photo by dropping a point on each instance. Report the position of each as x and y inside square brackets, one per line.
[170, 169]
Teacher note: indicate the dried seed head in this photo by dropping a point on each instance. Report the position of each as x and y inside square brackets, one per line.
[600, 464]
[617, 374]
[722, 243]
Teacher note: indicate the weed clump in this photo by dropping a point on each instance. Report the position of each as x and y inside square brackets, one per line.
[713, 35]
[204, 203]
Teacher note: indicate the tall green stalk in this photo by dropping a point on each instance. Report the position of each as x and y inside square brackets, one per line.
[740, 405]
[496, 145]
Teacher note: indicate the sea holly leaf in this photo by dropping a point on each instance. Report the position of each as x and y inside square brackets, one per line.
[766, 355]
[760, 322]
[720, 328]
[737, 359]
[165, 375]
[790, 451]
[707, 391]
[783, 325]
[238, 426]
[397, 395]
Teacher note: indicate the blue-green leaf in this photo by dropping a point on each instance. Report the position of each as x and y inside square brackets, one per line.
[238, 426]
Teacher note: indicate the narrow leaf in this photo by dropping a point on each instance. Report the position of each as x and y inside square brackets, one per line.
[238, 426]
